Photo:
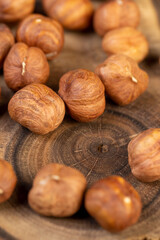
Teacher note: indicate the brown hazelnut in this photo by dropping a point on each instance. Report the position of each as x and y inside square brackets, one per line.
[124, 81]
[114, 203]
[128, 41]
[144, 155]
[8, 180]
[25, 65]
[15, 10]
[83, 93]
[115, 14]
[74, 15]
[43, 32]
[57, 191]
[6, 42]
[37, 107]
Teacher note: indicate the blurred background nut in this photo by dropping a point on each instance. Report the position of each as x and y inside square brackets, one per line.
[83, 93]
[74, 15]
[8, 180]
[144, 155]
[115, 14]
[124, 81]
[38, 108]
[128, 41]
[25, 65]
[14, 10]
[57, 191]
[40, 31]
[6, 42]
[114, 203]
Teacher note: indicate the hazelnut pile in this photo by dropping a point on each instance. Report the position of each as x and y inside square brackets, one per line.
[59, 190]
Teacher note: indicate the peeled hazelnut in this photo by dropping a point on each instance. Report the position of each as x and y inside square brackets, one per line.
[8, 180]
[43, 32]
[124, 81]
[14, 10]
[144, 155]
[128, 41]
[116, 14]
[114, 203]
[57, 191]
[24, 66]
[6, 42]
[74, 15]
[38, 108]
[83, 93]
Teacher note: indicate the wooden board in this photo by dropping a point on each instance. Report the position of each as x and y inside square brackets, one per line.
[98, 149]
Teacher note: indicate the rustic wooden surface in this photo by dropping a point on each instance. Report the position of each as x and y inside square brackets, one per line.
[98, 149]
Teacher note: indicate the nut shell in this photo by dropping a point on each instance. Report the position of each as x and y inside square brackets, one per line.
[57, 191]
[24, 66]
[38, 108]
[114, 203]
[8, 180]
[116, 14]
[15, 10]
[83, 93]
[128, 41]
[73, 15]
[144, 155]
[124, 81]
[43, 32]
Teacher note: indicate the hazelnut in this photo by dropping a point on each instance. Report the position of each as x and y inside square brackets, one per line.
[74, 15]
[128, 41]
[57, 191]
[144, 155]
[8, 180]
[83, 93]
[115, 14]
[14, 10]
[38, 108]
[43, 32]
[114, 203]
[124, 81]
[6, 42]
[25, 65]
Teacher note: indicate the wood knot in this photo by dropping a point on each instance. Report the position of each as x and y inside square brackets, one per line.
[103, 148]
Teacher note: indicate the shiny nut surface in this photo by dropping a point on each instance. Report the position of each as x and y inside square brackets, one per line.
[128, 41]
[115, 14]
[25, 65]
[57, 191]
[8, 180]
[124, 81]
[74, 15]
[14, 10]
[40, 31]
[38, 108]
[6, 42]
[83, 93]
[114, 203]
[144, 155]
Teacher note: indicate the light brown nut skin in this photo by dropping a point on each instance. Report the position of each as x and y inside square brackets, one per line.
[25, 65]
[144, 155]
[15, 10]
[124, 81]
[73, 15]
[39, 31]
[57, 191]
[6, 42]
[38, 108]
[115, 14]
[8, 180]
[128, 41]
[83, 93]
[114, 203]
